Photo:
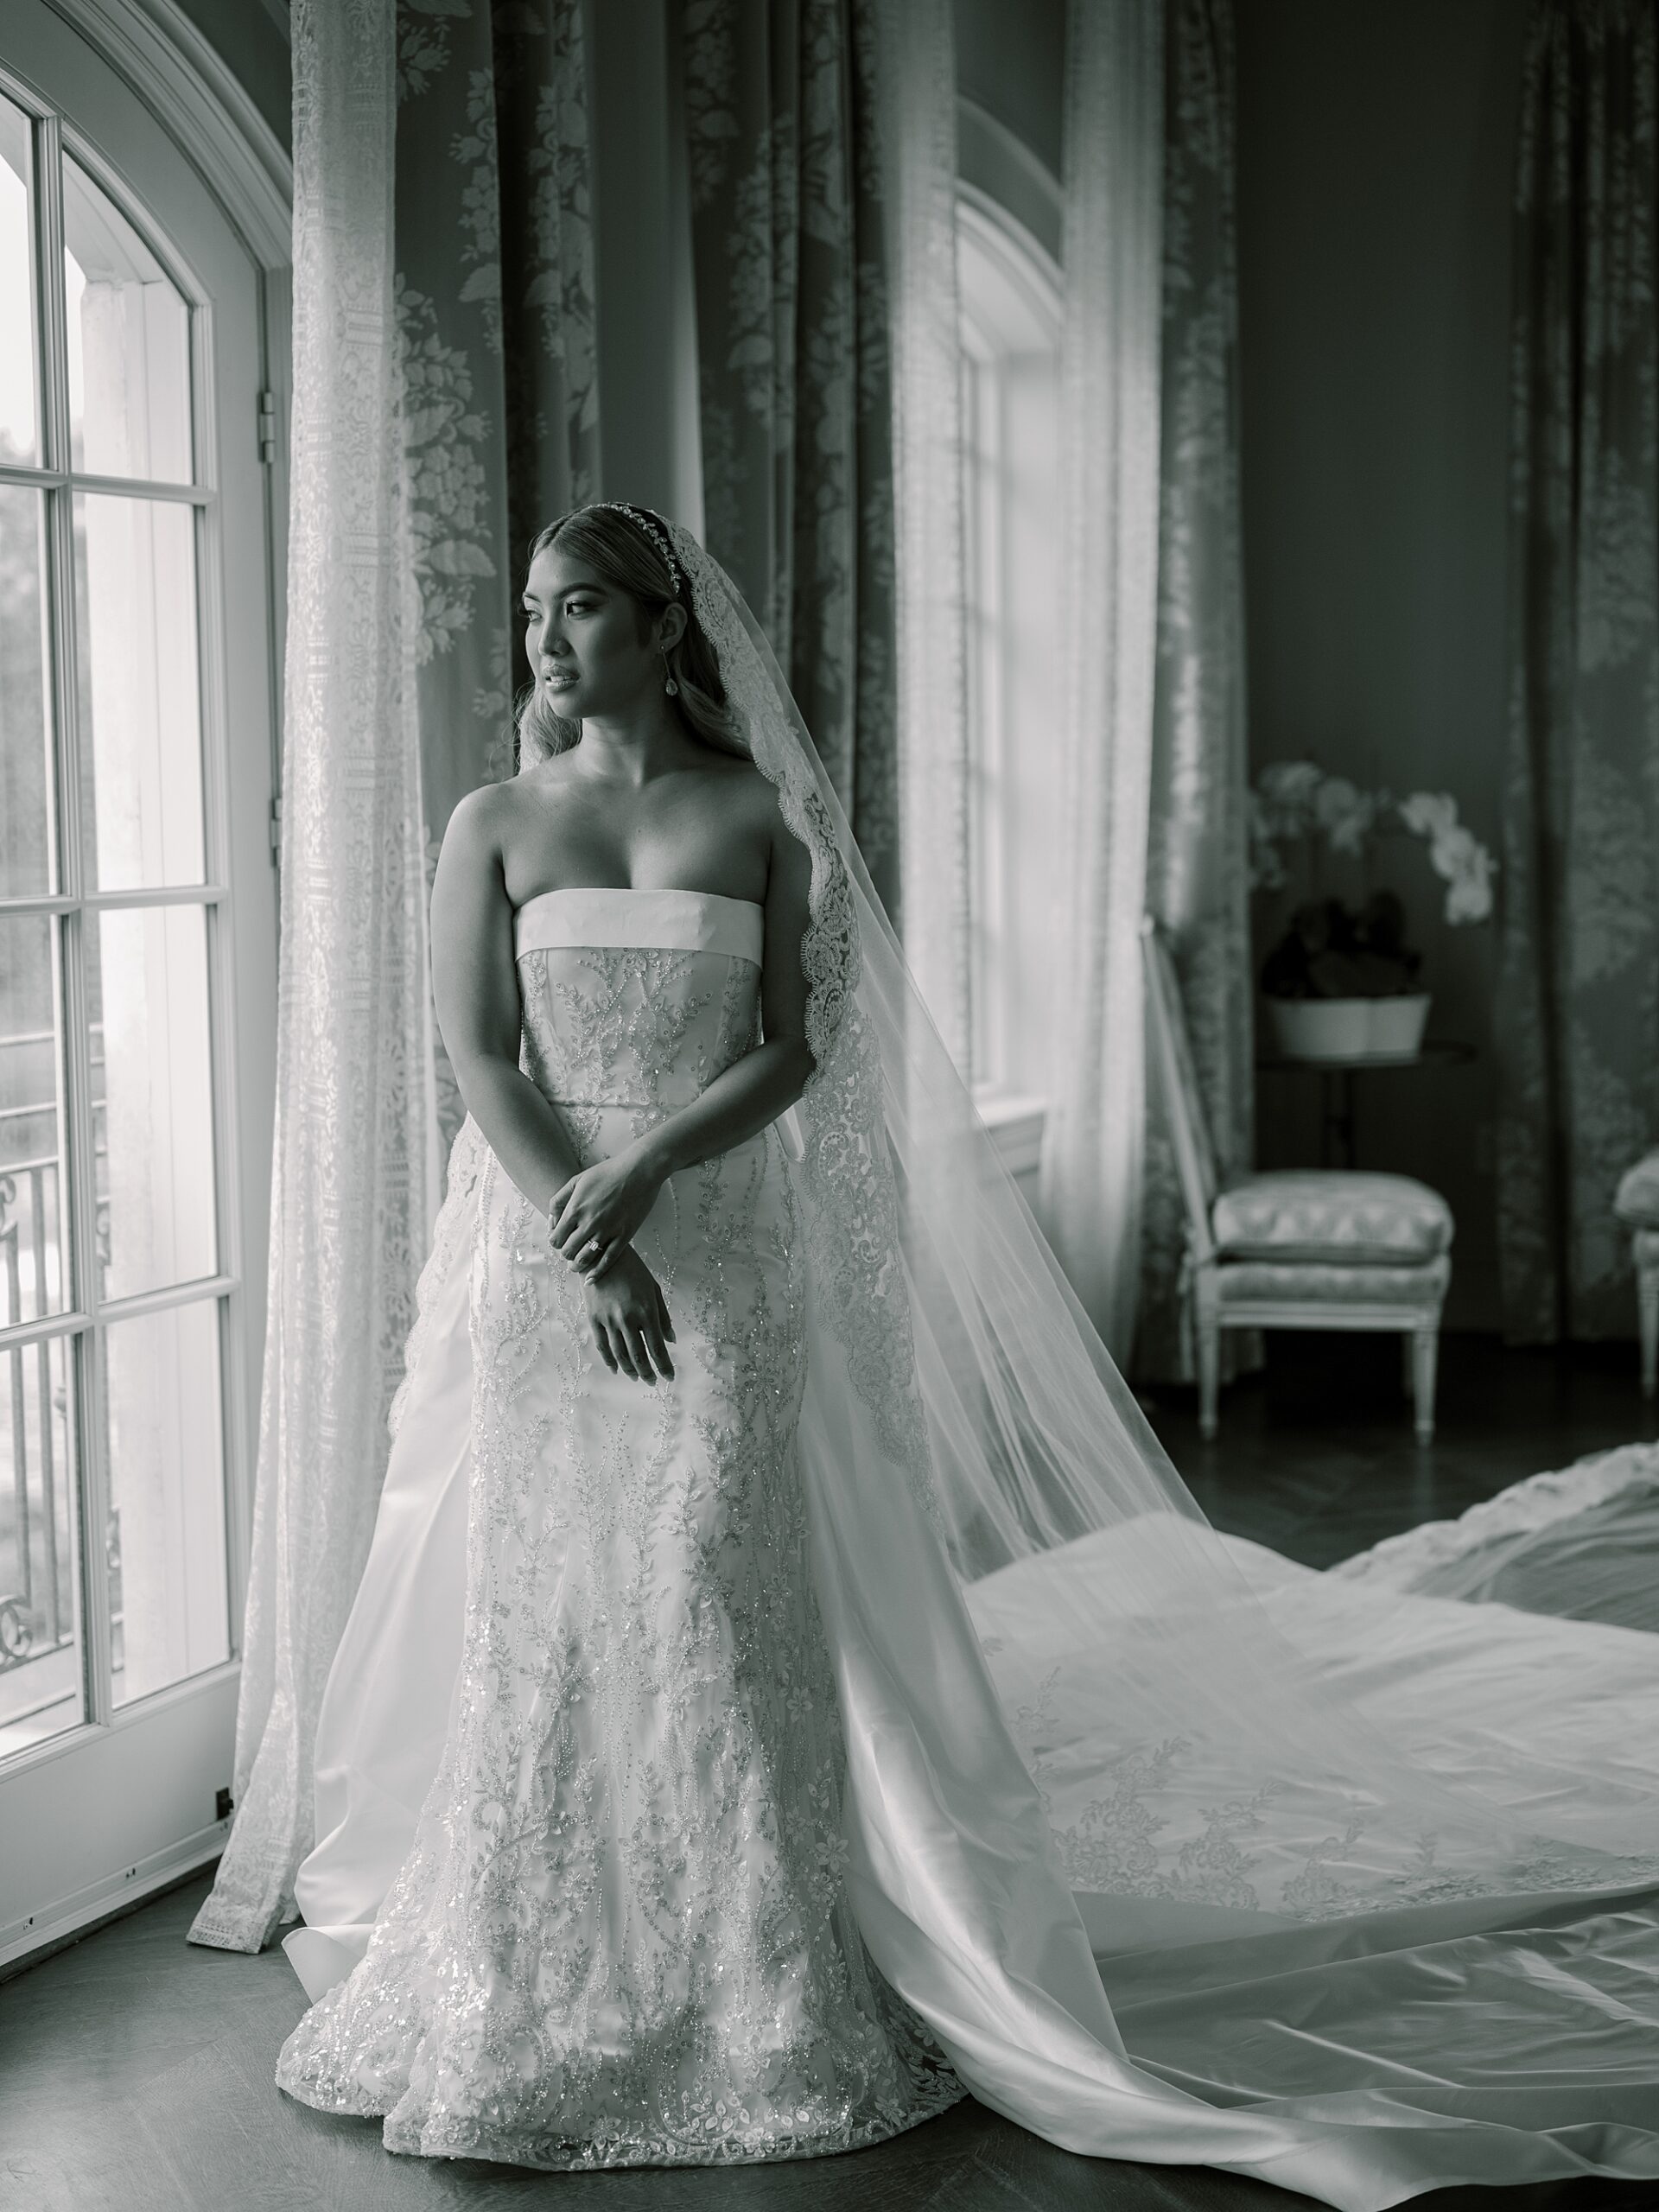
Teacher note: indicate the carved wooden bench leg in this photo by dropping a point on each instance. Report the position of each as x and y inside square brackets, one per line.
[1425, 1354]
[1207, 1319]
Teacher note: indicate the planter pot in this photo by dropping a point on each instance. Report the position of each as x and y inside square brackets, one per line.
[1322, 1029]
[1348, 1029]
[1397, 1025]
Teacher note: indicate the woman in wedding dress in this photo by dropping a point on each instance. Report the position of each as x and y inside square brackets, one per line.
[789, 1687]
[635, 1846]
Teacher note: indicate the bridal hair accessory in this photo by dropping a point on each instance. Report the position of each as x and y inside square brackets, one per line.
[658, 537]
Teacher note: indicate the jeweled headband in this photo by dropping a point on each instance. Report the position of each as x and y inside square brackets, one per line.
[653, 530]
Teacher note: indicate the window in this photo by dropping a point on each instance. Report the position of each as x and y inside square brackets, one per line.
[1011, 501]
[111, 1415]
[137, 974]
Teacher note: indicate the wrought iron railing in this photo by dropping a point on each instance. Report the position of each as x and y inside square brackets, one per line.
[37, 1563]
[36, 1608]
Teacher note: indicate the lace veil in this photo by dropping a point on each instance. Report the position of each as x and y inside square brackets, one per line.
[976, 1379]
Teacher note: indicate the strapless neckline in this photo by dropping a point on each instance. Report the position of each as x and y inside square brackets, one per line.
[640, 917]
[635, 891]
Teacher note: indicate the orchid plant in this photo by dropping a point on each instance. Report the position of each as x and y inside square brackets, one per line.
[1330, 949]
[1293, 800]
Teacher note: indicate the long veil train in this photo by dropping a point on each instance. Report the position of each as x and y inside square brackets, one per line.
[1183, 1854]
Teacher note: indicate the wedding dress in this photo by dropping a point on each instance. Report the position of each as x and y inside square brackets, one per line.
[745, 1767]
[623, 1935]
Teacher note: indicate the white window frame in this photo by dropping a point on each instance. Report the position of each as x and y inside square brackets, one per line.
[1011, 316]
[124, 1802]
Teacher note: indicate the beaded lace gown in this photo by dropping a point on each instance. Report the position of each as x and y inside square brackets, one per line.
[622, 1935]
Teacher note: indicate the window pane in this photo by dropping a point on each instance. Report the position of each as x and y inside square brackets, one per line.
[18, 350]
[135, 592]
[25, 755]
[31, 1268]
[169, 1605]
[152, 1093]
[128, 344]
[40, 1643]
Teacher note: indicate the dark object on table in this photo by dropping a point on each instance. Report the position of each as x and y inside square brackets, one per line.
[1332, 950]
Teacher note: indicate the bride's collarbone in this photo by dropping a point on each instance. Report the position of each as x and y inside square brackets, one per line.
[711, 849]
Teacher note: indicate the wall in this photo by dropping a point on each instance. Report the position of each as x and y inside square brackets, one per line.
[1374, 152]
[1010, 61]
[251, 40]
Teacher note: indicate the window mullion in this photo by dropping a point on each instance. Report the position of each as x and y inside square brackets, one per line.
[60, 579]
[78, 1205]
[220, 921]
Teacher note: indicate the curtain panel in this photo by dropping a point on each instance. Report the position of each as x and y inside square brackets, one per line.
[790, 258]
[444, 406]
[1197, 873]
[500, 400]
[918, 138]
[1577, 1009]
[1110, 384]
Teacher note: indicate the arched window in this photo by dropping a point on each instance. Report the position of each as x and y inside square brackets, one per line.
[137, 999]
[1010, 298]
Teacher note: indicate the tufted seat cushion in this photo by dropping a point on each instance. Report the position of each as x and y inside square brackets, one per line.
[1331, 1216]
[1637, 1201]
[1249, 1282]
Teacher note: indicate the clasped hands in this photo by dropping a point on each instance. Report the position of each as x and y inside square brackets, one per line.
[591, 1220]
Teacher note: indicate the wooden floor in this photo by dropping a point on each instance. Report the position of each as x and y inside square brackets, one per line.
[135, 2070]
[1315, 1457]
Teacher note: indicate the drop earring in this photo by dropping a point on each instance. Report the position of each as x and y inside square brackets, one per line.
[671, 689]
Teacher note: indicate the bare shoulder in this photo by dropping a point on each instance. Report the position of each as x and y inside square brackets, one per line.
[474, 838]
[751, 788]
[733, 793]
[476, 819]
[790, 865]
[744, 795]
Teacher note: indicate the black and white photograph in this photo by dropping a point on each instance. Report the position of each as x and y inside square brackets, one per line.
[829, 1105]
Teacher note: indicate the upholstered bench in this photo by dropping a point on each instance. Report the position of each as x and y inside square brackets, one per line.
[1638, 1205]
[1318, 1248]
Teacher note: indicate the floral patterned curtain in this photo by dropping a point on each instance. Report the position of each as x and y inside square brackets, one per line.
[443, 405]
[1578, 1013]
[495, 331]
[791, 261]
[1196, 875]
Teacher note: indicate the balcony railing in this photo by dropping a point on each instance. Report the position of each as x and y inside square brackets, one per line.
[36, 1610]
[37, 1488]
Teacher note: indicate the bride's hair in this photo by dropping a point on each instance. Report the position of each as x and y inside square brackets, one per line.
[621, 551]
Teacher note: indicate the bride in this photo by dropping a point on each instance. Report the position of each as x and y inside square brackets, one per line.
[789, 1687]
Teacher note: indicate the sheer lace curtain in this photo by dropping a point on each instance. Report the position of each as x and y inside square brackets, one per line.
[1577, 1005]
[354, 1167]
[1094, 1141]
[445, 405]
[920, 133]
